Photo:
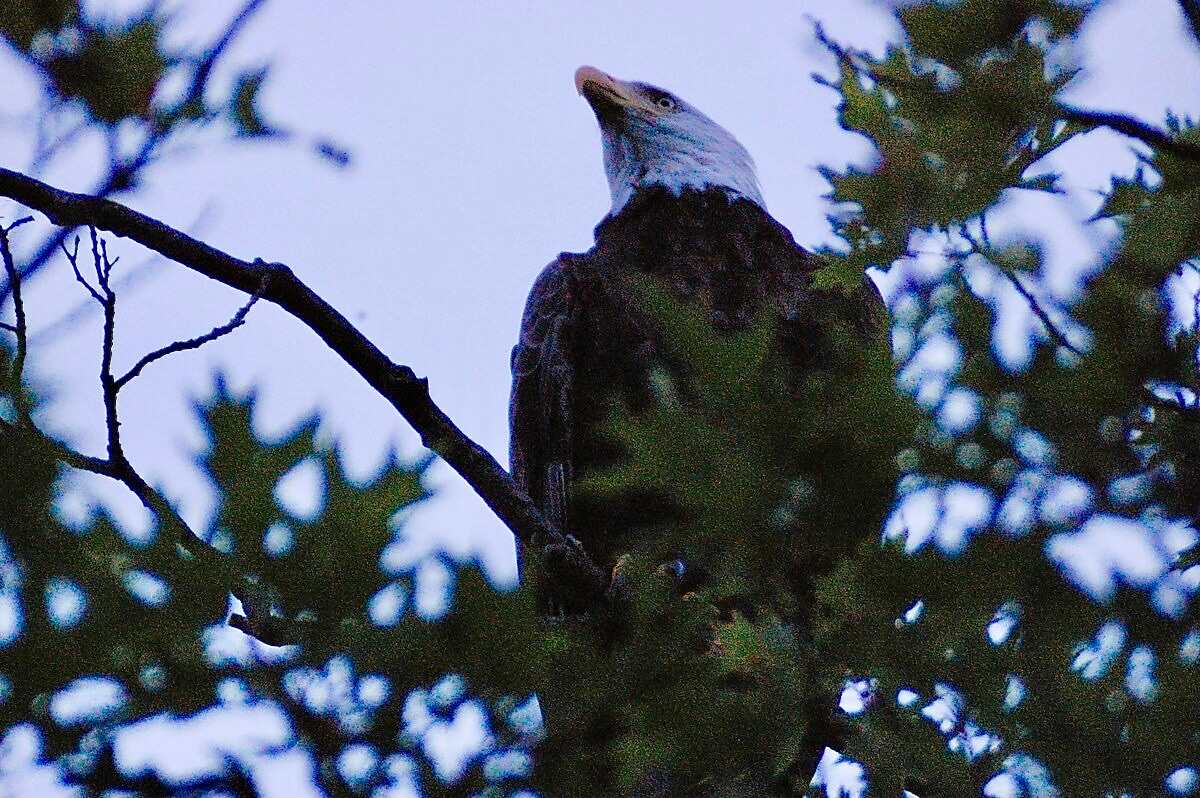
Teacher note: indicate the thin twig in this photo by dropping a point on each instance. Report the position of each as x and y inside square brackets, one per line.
[238, 319]
[1179, 402]
[108, 386]
[131, 278]
[983, 230]
[100, 262]
[983, 247]
[20, 328]
[205, 67]
[256, 596]
[73, 259]
[12, 328]
[1058, 335]
[45, 152]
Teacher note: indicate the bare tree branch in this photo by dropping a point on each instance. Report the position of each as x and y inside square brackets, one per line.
[983, 248]
[1034, 305]
[83, 462]
[73, 259]
[238, 319]
[108, 384]
[148, 268]
[407, 393]
[205, 67]
[257, 598]
[20, 329]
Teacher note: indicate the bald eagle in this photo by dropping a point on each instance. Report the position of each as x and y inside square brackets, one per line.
[686, 210]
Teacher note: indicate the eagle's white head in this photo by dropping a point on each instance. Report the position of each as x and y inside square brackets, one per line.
[652, 137]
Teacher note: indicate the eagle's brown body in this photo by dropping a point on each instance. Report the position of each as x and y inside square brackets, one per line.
[585, 342]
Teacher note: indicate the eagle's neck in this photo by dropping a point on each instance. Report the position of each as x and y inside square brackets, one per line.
[636, 163]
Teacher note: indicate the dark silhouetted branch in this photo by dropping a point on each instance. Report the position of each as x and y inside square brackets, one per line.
[1132, 127]
[407, 393]
[257, 598]
[148, 268]
[19, 329]
[1034, 305]
[259, 620]
[73, 259]
[205, 67]
[108, 384]
[983, 248]
[115, 465]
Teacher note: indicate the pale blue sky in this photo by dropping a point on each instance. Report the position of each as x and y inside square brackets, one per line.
[475, 163]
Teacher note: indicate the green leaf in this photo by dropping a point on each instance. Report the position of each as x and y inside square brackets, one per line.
[244, 104]
[115, 72]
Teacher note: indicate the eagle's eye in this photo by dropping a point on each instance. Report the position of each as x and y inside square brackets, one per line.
[666, 103]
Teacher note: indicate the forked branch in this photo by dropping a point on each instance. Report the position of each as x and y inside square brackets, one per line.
[407, 393]
[256, 598]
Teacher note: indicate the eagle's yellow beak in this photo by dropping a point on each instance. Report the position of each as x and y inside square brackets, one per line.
[603, 91]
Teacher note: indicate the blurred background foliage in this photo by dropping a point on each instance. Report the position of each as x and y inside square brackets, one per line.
[130, 84]
[964, 574]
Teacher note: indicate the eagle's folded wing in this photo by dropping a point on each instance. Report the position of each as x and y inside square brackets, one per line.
[540, 404]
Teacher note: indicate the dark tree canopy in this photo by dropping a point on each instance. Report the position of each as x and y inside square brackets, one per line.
[947, 645]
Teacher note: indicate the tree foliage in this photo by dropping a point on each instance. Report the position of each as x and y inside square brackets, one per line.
[890, 558]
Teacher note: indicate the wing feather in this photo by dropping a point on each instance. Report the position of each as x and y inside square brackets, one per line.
[543, 374]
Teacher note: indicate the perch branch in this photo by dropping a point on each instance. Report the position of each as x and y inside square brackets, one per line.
[406, 392]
